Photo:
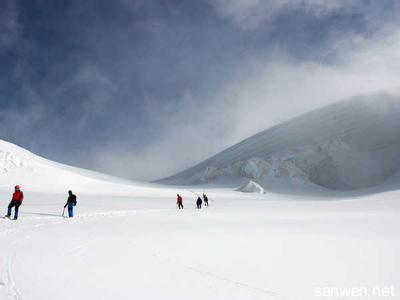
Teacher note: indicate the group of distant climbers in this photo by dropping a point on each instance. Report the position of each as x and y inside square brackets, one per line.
[199, 201]
[18, 197]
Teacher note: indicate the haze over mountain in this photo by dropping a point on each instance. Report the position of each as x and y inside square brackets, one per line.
[343, 146]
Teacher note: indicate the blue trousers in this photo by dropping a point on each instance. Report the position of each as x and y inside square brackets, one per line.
[71, 210]
[12, 204]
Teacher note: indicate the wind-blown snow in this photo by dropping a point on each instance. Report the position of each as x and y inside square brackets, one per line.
[348, 145]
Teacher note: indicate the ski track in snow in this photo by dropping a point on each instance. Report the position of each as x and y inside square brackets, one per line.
[7, 282]
[341, 241]
[30, 222]
[10, 286]
[175, 262]
[236, 283]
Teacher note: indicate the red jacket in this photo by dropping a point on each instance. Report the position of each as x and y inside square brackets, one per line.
[18, 196]
[179, 199]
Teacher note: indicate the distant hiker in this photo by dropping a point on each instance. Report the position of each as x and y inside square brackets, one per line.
[199, 202]
[179, 201]
[16, 201]
[71, 202]
[205, 198]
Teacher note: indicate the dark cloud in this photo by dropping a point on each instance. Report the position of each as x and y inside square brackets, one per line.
[145, 88]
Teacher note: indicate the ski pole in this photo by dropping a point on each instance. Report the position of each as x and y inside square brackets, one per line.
[63, 211]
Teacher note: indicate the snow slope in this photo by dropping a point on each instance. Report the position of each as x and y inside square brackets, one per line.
[344, 146]
[244, 246]
[128, 240]
[34, 173]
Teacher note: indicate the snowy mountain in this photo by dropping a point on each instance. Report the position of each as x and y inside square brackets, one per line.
[34, 173]
[344, 146]
[128, 240]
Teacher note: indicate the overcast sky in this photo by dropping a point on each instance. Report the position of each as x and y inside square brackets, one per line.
[144, 88]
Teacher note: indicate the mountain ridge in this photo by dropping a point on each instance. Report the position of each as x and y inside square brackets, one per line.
[355, 141]
[36, 173]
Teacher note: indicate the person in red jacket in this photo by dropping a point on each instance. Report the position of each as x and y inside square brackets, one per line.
[179, 201]
[16, 201]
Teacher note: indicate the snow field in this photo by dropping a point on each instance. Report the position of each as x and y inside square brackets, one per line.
[246, 247]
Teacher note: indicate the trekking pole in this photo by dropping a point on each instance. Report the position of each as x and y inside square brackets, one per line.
[63, 211]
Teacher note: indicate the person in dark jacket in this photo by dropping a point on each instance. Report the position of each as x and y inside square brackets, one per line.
[199, 202]
[16, 202]
[71, 202]
[205, 198]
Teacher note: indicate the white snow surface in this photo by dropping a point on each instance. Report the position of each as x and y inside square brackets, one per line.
[38, 174]
[128, 240]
